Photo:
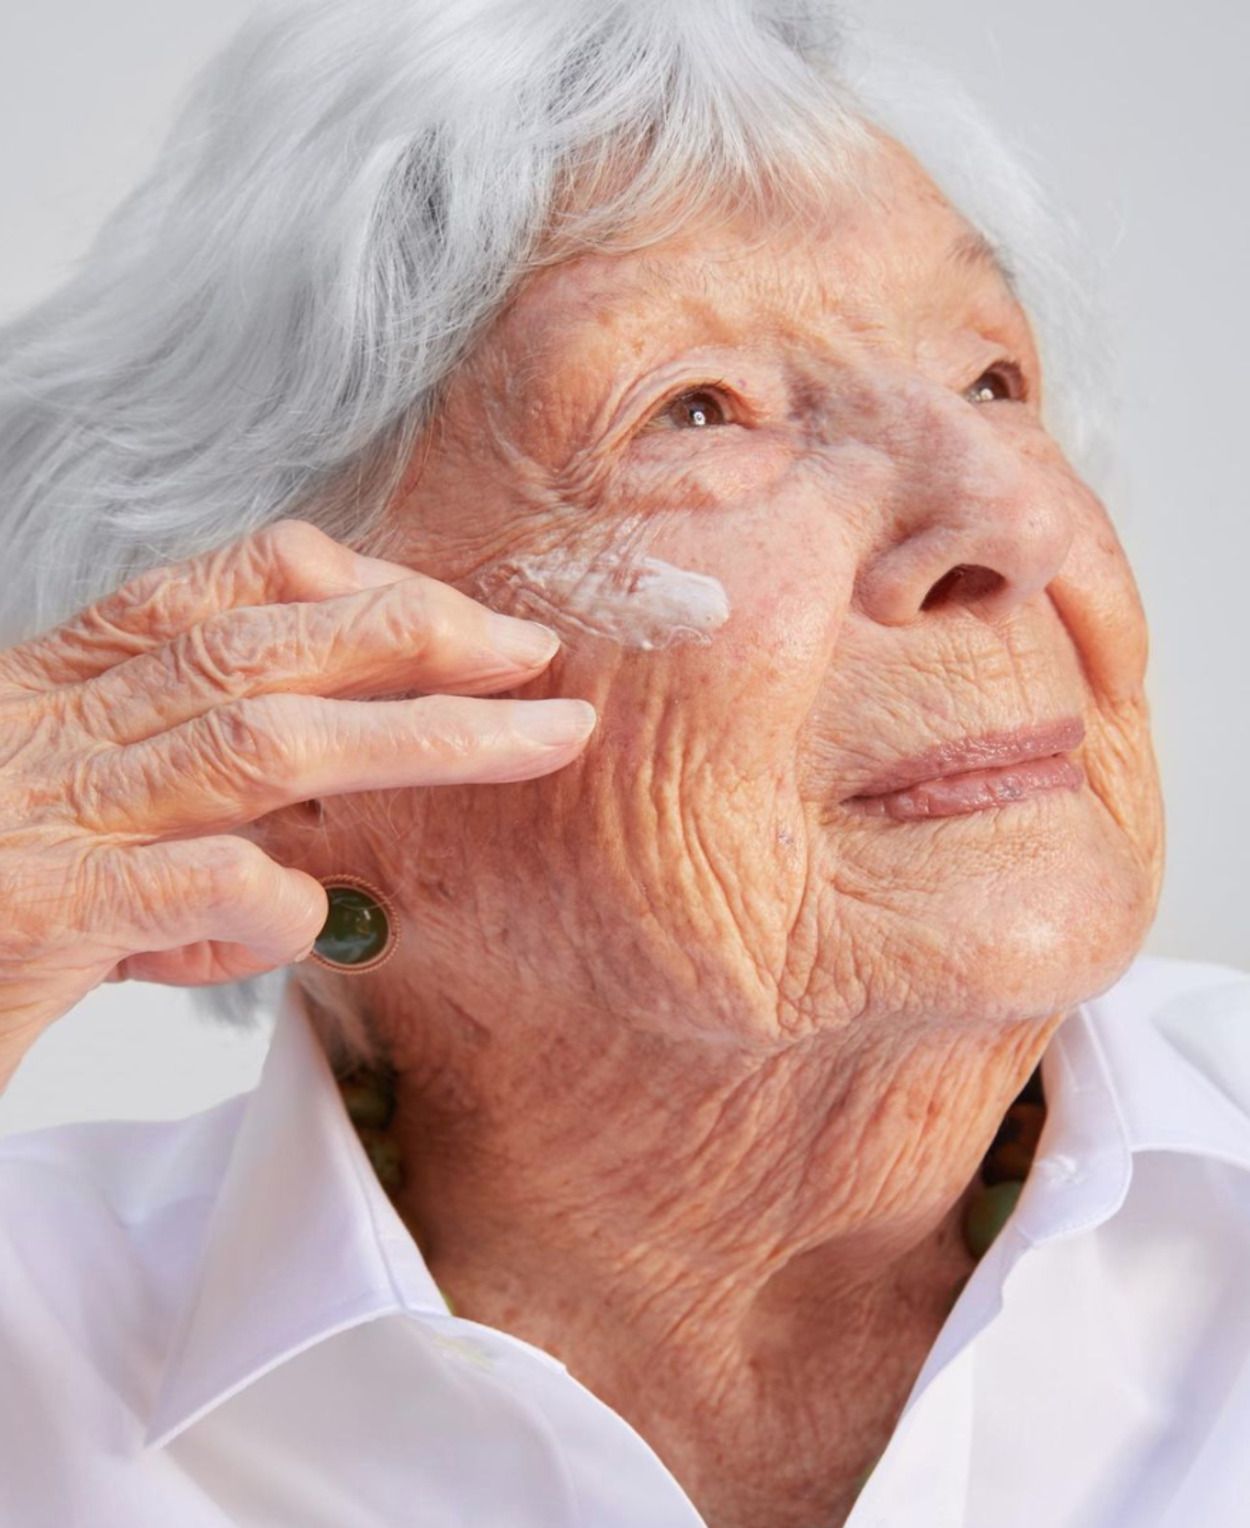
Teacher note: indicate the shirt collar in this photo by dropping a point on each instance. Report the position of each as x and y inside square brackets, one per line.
[1119, 1080]
[303, 1242]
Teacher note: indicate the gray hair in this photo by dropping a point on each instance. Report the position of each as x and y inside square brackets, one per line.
[348, 195]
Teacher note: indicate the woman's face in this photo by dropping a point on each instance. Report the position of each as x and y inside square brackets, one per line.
[734, 472]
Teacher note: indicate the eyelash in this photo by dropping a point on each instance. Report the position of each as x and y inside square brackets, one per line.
[716, 385]
[1017, 382]
[1012, 371]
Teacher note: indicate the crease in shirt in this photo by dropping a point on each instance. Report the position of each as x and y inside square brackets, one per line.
[299, 1242]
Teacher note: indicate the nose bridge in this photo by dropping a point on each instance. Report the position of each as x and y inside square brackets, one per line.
[938, 435]
[973, 524]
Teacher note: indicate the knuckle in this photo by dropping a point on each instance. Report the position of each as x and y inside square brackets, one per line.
[83, 795]
[48, 782]
[413, 620]
[37, 897]
[137, 597]
[226, 872]
[291, 544]
[33, 730]
[313, 634]
[112, 879]
[75, 795]
[76, 712]
[227, 652]
[160, 599]
[245, 739]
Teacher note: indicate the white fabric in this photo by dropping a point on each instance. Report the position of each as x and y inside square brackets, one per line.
[223, 1320]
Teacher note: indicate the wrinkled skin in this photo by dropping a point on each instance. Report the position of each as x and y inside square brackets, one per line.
[141, 739]
[698, 1061]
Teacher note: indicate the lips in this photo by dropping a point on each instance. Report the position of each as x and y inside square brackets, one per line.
[982, 763]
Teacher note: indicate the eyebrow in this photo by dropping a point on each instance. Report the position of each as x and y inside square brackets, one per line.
[974, 249]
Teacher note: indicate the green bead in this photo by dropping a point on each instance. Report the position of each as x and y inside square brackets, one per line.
[386, 1159]
[369, 1099]
[356, 927]
[987, 1212]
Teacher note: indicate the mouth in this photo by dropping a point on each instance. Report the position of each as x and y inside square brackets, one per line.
[971, 774]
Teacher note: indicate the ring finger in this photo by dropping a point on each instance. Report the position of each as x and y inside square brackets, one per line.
[240, 761]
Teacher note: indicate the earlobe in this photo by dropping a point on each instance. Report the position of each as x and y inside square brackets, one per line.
[361, 930]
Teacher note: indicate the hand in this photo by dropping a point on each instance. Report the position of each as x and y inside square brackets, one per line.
[191, 701]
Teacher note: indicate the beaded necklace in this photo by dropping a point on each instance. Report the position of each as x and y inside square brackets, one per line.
[1005, 1166]
[369, 1098]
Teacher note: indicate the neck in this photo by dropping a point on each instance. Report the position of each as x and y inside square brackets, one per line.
[728, 1202]
[746, 1257]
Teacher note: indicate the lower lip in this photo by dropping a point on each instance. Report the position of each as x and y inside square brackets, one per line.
[973, 791]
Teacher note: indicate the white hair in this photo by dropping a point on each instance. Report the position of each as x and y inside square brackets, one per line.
[351, 191]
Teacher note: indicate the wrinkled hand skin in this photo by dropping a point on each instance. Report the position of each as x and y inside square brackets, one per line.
[698, 1062]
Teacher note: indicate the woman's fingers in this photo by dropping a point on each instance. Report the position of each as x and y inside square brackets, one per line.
[414, 634]
[242, 760]
[193, 903]
[190, 702]
[288, 560]
[202, 964]
[87, 911]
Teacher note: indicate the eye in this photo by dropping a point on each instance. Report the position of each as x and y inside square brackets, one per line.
[698, 408]
[1011, 384]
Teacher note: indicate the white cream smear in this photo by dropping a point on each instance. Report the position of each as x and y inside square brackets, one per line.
[636, 601]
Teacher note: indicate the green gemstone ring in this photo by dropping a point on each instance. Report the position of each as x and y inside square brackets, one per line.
[360, 930]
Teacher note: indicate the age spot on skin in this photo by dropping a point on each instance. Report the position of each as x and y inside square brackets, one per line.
[639, 602]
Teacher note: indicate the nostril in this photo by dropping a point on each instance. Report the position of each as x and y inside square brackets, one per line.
[962, 584]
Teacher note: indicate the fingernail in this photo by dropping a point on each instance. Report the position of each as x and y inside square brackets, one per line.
[556, 721]
[524, 643]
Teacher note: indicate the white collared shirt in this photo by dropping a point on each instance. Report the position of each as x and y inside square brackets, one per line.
[222, 1320]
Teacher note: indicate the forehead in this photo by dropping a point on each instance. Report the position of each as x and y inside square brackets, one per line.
[875, 251]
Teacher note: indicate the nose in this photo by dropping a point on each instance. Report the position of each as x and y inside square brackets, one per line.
[977, 526]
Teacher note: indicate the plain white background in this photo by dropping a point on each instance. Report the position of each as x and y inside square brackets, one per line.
[1136, 116]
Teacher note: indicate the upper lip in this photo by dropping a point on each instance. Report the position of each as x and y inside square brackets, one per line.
[991, 750]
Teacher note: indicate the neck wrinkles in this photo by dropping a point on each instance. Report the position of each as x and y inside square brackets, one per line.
[605, 1182]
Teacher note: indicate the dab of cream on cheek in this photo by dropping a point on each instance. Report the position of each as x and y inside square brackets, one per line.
[638, 602]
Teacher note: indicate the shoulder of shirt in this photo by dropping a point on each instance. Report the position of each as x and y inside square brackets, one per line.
[132, 1168]
[102, 1224]
[1199, 1009]
[1181, 995]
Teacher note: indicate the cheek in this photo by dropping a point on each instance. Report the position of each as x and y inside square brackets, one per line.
[737, 700]
[614, 595]
[698, 607]
[1096, 596]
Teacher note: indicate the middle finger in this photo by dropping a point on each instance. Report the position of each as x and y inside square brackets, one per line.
[417, 633]
[244, 760]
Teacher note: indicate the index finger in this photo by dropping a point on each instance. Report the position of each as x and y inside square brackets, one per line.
[288, 560]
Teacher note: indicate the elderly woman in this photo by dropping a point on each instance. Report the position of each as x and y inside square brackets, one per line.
[544, 530]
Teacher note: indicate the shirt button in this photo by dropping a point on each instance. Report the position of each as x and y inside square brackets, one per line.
[1058, 1168]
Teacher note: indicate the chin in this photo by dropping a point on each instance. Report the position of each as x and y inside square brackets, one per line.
[1018, 912]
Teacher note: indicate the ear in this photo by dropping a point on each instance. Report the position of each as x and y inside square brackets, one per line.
[297, 835]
